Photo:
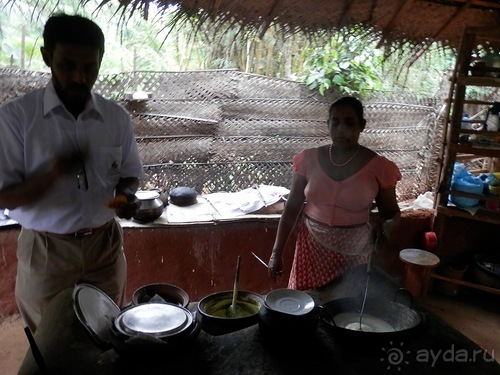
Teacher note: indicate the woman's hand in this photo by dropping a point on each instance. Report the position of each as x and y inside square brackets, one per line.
[275, 266]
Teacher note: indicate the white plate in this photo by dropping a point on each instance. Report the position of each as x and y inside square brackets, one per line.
[290, 301]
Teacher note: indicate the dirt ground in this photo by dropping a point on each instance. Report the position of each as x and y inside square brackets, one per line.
[13, 344]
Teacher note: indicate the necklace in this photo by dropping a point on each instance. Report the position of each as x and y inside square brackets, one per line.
[348, 160]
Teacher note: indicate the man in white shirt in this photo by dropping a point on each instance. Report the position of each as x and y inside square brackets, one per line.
[65, 153]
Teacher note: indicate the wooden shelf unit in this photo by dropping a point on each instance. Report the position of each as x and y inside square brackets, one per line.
[455, 147]
[458, 145]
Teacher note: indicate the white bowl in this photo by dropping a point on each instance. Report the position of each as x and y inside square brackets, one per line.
[290, 301]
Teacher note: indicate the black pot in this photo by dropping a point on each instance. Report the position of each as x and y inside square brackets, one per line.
[183, 196]
[212, 310]
[168, 292]
[405, 322]
[486, 270]
[278, 326]
[145, 350]
[151, 206]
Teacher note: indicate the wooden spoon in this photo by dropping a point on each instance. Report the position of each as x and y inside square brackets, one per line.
[232, 309]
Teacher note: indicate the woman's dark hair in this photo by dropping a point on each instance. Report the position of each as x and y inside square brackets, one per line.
[348, 101]
[72, 29]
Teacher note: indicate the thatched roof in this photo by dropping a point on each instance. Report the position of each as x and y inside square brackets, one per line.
[417, 22]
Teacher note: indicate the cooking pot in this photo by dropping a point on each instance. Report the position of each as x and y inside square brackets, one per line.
[282, 327]
[214, 317]
[163, 321]
[287, 315]
[146, 349]
[151, 206]
[183, 196]
[142, 330]
[382, 321]
[486, 270]
[167, 292]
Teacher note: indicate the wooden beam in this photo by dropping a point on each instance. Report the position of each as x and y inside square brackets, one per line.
[346, 11]
[484, 288]
[269, 19]
[458, 11]
[392, 23]
[477, 3]
[403, 9]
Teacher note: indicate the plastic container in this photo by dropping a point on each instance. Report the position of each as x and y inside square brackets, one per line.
[492, 118]
[465, 122]
[467, 184]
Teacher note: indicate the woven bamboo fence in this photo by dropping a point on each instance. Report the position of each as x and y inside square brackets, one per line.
[225, 130]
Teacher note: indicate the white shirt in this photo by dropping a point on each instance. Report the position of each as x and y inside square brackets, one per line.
[36, 127]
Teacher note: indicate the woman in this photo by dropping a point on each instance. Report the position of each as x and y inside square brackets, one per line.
[339, 182]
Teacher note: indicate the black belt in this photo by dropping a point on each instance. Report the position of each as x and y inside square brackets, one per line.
[82, 232]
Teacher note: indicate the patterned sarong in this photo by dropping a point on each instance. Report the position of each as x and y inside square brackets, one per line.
[316, 263]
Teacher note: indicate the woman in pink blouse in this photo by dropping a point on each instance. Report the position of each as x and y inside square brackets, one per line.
[339, 182]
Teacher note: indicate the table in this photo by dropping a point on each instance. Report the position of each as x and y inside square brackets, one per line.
[439, 349]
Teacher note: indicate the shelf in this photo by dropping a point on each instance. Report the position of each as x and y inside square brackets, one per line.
[477, 132]
[478, 81]
[481, 197]
[469, 284]
[482, 214]
[459, 145]
[468, 149]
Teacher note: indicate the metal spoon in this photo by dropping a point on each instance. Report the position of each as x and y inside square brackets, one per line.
[260, 260]
[232, 309]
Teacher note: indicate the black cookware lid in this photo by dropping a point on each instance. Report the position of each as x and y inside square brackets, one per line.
[96, 311]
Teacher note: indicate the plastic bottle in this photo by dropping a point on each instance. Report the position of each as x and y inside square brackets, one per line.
[465, 122]
[492, 119]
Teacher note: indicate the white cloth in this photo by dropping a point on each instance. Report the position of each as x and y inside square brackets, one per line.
[36, 127]
[247, 200]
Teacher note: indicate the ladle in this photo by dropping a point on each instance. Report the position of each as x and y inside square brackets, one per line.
[368, 271]
[232, 309]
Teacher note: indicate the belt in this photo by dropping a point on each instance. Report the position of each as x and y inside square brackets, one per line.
[85, 232]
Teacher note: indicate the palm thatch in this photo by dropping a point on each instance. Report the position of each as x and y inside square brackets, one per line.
[412, 22]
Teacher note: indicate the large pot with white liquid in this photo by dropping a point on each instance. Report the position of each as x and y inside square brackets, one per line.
[381, 321]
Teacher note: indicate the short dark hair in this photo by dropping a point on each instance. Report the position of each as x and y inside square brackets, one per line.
[72, 29]
[350, 101]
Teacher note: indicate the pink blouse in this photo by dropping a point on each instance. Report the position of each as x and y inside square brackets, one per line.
[346, 202]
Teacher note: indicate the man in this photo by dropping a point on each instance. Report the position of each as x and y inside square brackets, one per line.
[65, 154]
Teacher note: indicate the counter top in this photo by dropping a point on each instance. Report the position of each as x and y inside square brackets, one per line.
[437, 349]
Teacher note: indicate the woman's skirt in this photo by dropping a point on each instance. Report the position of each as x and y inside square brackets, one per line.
[315, 264]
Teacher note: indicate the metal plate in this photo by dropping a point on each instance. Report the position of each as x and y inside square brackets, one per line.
[155, 319]
[290, 301]
[96, 311]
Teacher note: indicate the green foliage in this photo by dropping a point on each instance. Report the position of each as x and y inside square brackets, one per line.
[346, 63]
[349, 61]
